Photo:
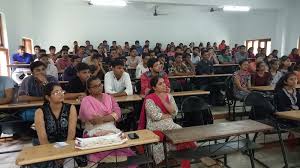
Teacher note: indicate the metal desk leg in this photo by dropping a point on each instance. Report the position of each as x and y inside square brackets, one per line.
[283, 151]
[250, 151]
[166, 152]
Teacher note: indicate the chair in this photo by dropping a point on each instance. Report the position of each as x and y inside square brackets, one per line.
[230, 98]
[195, 111]
[262, 110]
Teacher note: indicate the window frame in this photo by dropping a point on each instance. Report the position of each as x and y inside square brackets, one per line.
[1, 33]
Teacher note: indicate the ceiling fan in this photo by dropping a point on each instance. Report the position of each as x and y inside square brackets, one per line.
[157, 13]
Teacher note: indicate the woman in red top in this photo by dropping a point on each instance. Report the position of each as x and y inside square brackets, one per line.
[294, 56]
[261, 77]
[222, 46]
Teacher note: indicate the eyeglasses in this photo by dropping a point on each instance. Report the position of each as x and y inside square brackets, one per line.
[59, 92]
[96, 86]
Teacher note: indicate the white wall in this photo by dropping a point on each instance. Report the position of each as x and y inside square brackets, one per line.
[82, 22]
[18, 17]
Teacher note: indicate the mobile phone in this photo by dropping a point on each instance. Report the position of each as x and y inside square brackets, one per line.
[133, 136]
[22, 76]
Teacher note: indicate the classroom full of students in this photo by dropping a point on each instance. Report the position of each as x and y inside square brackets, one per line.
[96, 77]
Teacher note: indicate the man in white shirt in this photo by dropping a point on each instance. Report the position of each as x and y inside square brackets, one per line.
[195, 58]
[117, 82]
[142, 66]
[50, 68]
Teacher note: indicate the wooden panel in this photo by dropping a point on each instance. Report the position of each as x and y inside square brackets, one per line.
[48, 152]
[27, 43]
[215, 131]
[291, 115]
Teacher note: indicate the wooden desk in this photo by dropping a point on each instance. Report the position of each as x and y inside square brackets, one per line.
[18, 65]
[213, 75]
[63, 82]
[266, 88]
[132, 98]
[122, 99]
[290, 115]
[190, 93]
[225, 65]
[48, 152]
[200, 76]
[215, 131]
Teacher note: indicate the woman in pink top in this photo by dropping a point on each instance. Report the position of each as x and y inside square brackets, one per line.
[99, 112]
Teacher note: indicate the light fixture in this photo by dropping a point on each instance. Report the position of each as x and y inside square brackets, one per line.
[120, 3]
[236, 8]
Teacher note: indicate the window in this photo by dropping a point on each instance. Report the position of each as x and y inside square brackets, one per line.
[1, 32]
[262, 43]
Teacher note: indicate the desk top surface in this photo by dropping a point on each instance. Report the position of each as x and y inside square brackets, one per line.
[266, 88]
[121, 99]
[18, 65]
[215, 131]
[200, 76]
[48, 152]
[190, 93]
[291, 115]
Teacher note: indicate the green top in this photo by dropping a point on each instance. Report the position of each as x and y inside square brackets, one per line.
[225, 58]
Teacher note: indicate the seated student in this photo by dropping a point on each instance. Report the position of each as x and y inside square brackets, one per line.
[187, 61]
[241, 54]
[63, 62]
[50, 68]
[162, 58]
[52, 53]
[261, 77]
[155, 69]
[275, 73]
[205, 66]
[117, 82]
[195, 58]
[142, 66]
[152, 54]
[285, 64]
[21, 57]
[88, 59]
[78, 84]
[36, 50]
[297, 72]
[274, 54]
[212, 56]
[138, 47]
[96, 67]
[250, 53]
[172, 52]
[252, 65]
[157, 112]
[99, 113]
[70, 71]
[178, 68]
[287, 98]
[6, 90]
[222, 45]
[294, 56]
[55, 121]
[31, 88]
[225, 57]
[133, 60]
[242, 81]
